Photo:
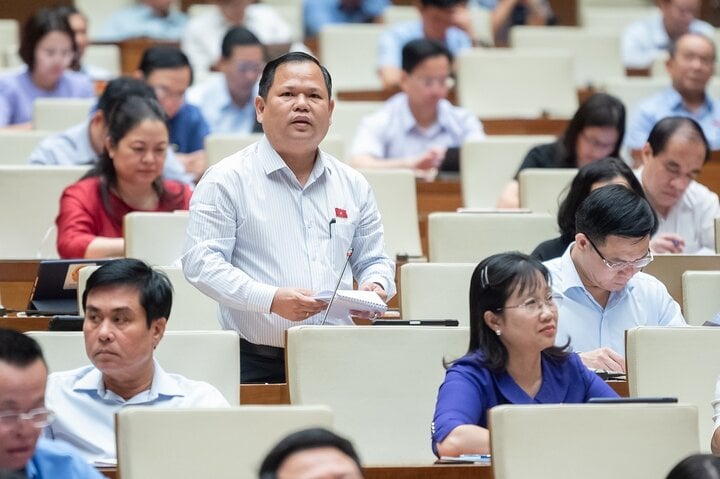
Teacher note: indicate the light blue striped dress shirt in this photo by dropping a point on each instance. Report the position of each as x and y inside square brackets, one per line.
[253, 228]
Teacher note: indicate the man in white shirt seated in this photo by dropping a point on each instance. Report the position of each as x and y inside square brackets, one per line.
[672, 159]
[127, 305]
[415, 128]
[604, 292]
[226, 100]
[645, 40]
[158, 19]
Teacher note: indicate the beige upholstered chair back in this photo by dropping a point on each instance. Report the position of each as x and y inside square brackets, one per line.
[155, 237]
[217, 443]
[30, 199]
[396, 197]
[487, 165]
[509, 83]
[701, 301]
[436, 291]
[355, 69]
[471, 237]
[380, 381]
[669, 269]
[543, 189]
[18, 144]
[592, 441]
[596, 52]
[215, 356]
[677, 362]
[58, 114]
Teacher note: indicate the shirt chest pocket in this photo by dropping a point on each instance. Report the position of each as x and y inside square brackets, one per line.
[342, 237]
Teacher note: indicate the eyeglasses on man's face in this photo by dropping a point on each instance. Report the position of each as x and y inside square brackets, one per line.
[39, 418]
[620, 265]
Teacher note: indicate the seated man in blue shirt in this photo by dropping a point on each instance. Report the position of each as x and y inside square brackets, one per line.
[83, 143]
[167, 70]
[415, 128]
[691, 65]
[23, 374]
[227, 100]
[446, 21]
[157, 19]
[604, 292]
[127, 305]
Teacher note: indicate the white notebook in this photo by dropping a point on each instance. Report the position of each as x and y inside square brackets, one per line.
[361, 304]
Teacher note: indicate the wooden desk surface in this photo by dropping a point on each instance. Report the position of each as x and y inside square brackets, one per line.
[430, 471]
[443, 194]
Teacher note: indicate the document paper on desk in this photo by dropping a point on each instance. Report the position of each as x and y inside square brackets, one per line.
[350, 302]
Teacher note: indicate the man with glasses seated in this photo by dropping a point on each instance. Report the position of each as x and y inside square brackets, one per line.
[415, 128]
[599, 277]
[672, 159]
[227, 100]
[23, 454]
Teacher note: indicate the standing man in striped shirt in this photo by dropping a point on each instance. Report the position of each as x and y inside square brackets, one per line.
[273, 223]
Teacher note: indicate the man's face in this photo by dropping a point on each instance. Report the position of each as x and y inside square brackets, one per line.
[78, 24]
[437, 20]
[594, 260]
[22, 389]
[298, 108]
[667, 174]
[117, 338]
[242, 71]
[678, 14]
[319, 463]
[693, 64]
[162, 6]
[428, 83]
[234, 10]
[170, 85]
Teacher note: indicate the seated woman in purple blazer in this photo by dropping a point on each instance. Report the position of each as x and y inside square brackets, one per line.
[512, 358]
[47, 47]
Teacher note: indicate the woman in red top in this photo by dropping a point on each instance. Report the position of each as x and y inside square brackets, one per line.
[127, 178]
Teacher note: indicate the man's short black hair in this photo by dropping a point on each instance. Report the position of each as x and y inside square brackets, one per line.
[118, 90]
[17, 349]
[163, 57]
[615, 210]
[239, 37]
[669, 126]
[303, 440]
[154, 286]
[268, 74]
[417, 51]
[443, 3]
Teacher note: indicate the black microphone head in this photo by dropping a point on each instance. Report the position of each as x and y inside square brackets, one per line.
[350, 252]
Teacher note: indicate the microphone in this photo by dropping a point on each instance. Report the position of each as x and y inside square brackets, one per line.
[337, 286]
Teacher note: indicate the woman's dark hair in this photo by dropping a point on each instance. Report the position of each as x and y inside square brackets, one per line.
[696, 466]
[671, 125]
[601, 170]
[46, 20]
[493, 282]
[600, 110]
[124, 117]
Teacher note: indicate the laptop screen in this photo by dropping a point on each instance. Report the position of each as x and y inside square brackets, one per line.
[55, 290]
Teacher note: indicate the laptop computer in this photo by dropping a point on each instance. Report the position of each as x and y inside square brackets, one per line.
[55, 289]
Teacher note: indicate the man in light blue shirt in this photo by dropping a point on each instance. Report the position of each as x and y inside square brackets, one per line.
[318, 13]
[226, 99]
[599, 277]
[23, 375]
[279, 221]
[442, 20]
[156, 19]
[415, 128]
[127, 305]
[645, 40]
[83, 143]
[691, 65]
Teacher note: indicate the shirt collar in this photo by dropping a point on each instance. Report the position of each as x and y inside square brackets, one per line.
[547, 392]
[162, 385]
[407, 119]
[273, 162]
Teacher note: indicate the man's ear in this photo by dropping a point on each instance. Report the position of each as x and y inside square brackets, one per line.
[259, 108]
